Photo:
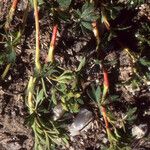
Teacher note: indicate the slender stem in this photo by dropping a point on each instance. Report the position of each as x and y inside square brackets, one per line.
[103, 110]
[30, 94]
[105, 21]
[14, 4]
[37, 51]
[96, 32]
[11, 14]
[105, 83]
[6, 71]
[25, 15]
[50, 56]
[106, 80]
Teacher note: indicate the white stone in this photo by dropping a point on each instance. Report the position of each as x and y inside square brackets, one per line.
[139, 131]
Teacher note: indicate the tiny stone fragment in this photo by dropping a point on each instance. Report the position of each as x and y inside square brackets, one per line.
[58, 112]
[139, 131]
[82, 120]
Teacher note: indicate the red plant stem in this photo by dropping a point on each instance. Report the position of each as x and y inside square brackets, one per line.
[106, 80]
[50, 56]
[11, 14]
[106, 88]
[53, 41]
[103, 110]
[14, 4]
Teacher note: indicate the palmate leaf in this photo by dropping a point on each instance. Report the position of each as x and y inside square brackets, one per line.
[64, 106]
[86, 16]
[88, 8]
[49, 69]
[111, 117]
[11, 57]
[98, 94]
[73, 107]
[62, 88]
[64, 3]
[112, 98]
[131, 114]
[86, 25]
[95, 94]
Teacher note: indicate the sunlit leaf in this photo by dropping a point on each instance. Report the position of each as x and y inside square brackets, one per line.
[64, 3]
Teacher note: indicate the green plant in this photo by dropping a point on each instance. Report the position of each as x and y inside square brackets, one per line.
[11, 39]
[86, 16]
[11, 14]
[62, 85]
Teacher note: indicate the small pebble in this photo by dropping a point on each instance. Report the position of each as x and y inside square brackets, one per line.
[58, 112]
[81, 121]
[139, 131]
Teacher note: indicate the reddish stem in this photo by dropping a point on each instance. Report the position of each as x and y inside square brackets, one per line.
[103, 110]
[14, 4]
[50, 56]
[54, 35]
[106, 88]
[106, 80]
